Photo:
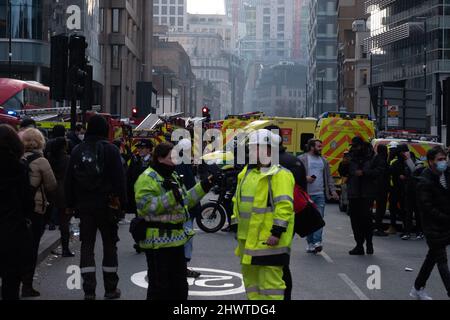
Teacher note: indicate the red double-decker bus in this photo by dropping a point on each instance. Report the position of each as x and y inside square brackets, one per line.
[17, 95]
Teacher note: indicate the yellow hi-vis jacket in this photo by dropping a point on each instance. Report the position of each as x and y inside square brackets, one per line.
[160, 208]
[269, 211]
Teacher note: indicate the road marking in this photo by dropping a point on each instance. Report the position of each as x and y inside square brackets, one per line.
[326, 257]
[353, 286]
[222, 282]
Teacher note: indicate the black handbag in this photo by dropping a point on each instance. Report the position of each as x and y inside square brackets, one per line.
[308, 220]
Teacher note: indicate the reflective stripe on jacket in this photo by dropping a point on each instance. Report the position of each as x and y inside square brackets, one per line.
[272, 206]
[158, 205]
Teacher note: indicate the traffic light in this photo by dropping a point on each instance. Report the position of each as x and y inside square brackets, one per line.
[59, 65]
[206, 113]
[78, 66]
[134, 112]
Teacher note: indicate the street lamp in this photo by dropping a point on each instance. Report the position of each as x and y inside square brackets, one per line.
[10, 39]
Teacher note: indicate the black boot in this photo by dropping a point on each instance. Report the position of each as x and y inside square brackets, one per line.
[357, 251]
[66, 253]
[29, 292]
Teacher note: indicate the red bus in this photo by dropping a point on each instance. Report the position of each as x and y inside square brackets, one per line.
[17, 95]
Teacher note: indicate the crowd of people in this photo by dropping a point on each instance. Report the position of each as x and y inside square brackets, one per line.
[82, 174]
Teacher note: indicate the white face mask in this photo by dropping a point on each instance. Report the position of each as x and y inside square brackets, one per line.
[81, 137]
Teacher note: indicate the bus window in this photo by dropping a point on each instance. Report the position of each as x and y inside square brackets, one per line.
[14, 103]
[36, 99]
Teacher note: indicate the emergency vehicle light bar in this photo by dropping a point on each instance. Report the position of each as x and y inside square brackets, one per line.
[407, 136]
[345, 115]
[51, 111]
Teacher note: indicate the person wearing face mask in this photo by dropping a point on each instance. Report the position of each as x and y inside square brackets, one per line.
[76, 137]
[434, 204]
[164, 202]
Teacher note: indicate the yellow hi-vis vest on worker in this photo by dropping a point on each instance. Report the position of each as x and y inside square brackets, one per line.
[270, 205]
[159, 207]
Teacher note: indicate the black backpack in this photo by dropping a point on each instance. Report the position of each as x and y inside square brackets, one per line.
[89, 166]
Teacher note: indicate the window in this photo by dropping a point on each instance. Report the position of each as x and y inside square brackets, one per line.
[172, 11]
[266, 10]
[172, 21]
[164, 10]
[180, 22]
[115, 20]
[155, 9]
[115, 61]
[164, 20]
[180, 11]
[102, 19]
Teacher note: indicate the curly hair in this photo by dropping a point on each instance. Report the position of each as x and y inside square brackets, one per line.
[10, 143]
[33, 139]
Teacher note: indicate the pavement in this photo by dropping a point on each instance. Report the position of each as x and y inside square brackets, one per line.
[331, 275]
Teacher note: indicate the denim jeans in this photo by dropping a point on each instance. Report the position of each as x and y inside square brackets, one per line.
[189, 245]
[319, 200]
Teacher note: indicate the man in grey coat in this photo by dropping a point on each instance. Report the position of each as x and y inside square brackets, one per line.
[320, 187]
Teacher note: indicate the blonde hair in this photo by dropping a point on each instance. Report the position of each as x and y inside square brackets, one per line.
[33, 139]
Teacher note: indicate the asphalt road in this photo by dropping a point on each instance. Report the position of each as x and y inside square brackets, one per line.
[332, 275]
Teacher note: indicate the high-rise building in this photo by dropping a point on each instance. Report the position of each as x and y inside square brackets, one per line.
[171, 13]
[213, 23]
[126, 39]
[30, 43]
[409, 47]
[322, 67]
[347, 12]
[269, 30]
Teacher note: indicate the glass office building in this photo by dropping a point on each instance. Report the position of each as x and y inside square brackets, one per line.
[410, 47]
[25, 21]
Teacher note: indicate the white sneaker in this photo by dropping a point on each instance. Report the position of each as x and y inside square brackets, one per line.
[310, 248]
[419, 294]
[318, 247]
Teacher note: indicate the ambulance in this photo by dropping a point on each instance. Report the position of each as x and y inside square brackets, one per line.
[336, 131]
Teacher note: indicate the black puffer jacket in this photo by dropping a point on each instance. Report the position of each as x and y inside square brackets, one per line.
[364, 186]
[434, 203]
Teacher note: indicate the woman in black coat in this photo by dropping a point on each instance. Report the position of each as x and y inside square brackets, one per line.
[16, 206]
[59, 160]
[434, 203]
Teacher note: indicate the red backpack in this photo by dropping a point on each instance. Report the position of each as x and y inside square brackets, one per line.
[307, 217]
[301, 199]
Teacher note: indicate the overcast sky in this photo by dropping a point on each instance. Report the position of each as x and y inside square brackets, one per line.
[206, 6]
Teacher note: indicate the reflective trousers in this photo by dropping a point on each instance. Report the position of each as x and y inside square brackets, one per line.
[91, 221]
[264, 282]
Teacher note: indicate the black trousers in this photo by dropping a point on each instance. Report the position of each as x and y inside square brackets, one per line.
[381, 200]
[37, 230]
[92, 220]
[411, 210]
[10, 285]
[167, 278]
[287, 278]
[396, 206]
[361, 220]
[64, 221]
[436, 255]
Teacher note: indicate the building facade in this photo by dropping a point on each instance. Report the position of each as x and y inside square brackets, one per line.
[322, 64]
[213, 23]
[281, 91]
[269, 31]
[126, 42]
[171, 13]
[172, 66]
[362, 101]
[347, 12]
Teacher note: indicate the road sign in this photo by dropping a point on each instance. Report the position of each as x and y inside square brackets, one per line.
[393, 116]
